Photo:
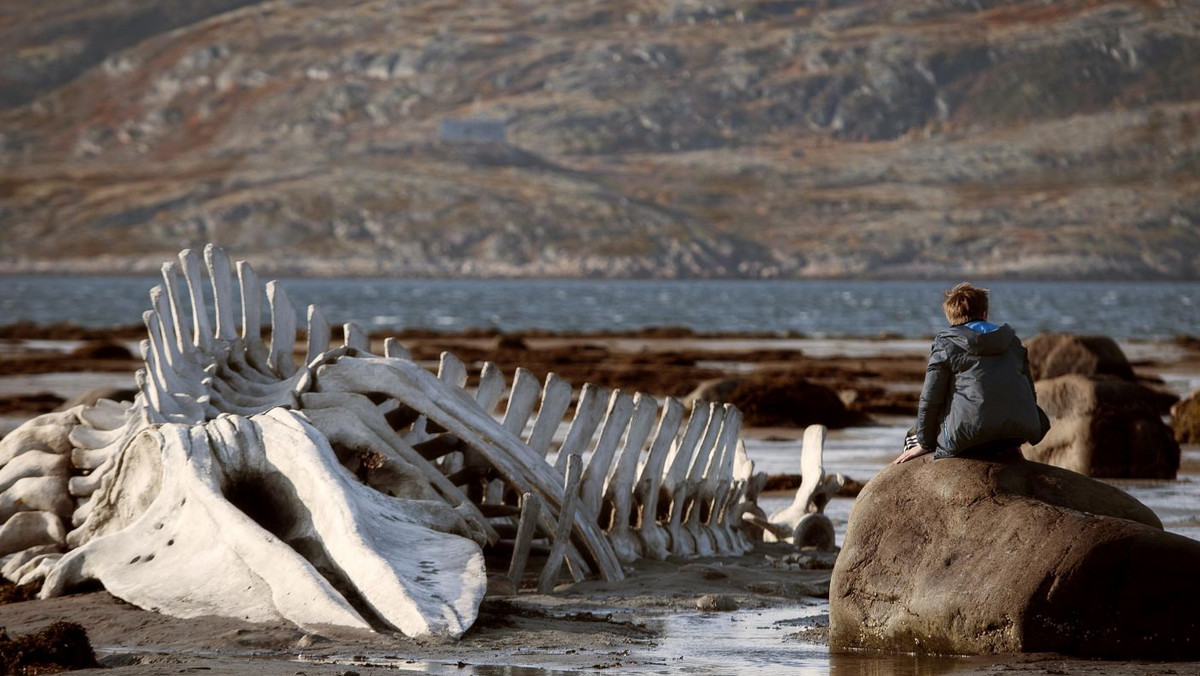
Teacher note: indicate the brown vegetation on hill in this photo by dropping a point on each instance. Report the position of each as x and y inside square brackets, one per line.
[644, 137]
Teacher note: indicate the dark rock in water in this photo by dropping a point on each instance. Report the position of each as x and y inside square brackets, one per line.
[1185, 419]
[36, 403]
[510, 341]
[716, 603]
[1059, 354]
[90, 397]
[778, 400]
[971, 557]
[1104, 427]
[717, 389]
[790, 482]
[102, 349]
[60, 646]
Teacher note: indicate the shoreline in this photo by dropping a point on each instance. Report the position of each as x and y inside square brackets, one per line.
[649, 623]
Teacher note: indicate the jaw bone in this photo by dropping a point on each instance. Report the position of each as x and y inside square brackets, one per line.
[350, 489]
[255, 517]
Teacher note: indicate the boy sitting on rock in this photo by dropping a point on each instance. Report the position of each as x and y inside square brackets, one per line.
[978, 399]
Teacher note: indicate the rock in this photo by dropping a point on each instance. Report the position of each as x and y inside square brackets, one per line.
[765, 587]
[814, 530]
[90, 397]
[34, 403]
[310, 640]
[706, 571]
[716, 603]
[102, 349]
[1185, 419]
[509, 341]
[1059, 354]
[777, 400]
[500, 585]
[1104, 427]
[717, 389]
[974, 557]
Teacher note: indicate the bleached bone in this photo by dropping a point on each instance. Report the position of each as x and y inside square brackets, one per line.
[34, 464]
[556, 397]
[531, 510]
[803, 522]
[459, 414]
[15, 566]
[318, 334]
[355, 338]
[742, 497]
[692, 541]
[616, 420]
[349, 488]
[193, 537]
[31, 529]
[487, 395]
[620, 484]
[49, 432]
[656, 541]
[589, 411]
[350, 420]
[283, 331]
[392, 349]
[36, 494]
[714, 487]
[563, 528]
[521, 400]
[491, 386]
[675, 485]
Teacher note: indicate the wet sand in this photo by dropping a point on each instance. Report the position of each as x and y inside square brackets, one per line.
[747, 614]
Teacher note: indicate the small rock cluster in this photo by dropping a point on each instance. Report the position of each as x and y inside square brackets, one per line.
[1104, 423]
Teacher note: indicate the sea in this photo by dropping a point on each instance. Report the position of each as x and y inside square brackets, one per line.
[825, 316]
[815, 308]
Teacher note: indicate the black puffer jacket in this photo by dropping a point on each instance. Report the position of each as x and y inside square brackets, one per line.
[978, 389]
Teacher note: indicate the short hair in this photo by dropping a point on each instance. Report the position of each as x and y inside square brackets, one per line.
[965, 303]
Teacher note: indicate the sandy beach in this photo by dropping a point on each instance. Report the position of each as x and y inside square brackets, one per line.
[751, 614]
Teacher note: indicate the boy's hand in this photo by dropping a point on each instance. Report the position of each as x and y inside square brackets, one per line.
[915, 452]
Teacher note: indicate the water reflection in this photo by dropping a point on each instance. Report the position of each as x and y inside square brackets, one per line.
[750, 641]
[879, 664]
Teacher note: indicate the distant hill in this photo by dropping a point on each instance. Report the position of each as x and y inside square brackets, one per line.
[641, 138]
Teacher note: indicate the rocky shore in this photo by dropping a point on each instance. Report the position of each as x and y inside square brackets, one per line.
[640, 625]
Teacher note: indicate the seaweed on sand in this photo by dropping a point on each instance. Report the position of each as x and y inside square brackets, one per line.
[62, 646]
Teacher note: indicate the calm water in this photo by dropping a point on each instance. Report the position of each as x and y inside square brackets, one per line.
[1125, 310]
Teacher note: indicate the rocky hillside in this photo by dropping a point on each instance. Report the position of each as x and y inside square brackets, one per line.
[763, 138]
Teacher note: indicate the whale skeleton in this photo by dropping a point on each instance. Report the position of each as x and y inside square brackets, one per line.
[352, 488]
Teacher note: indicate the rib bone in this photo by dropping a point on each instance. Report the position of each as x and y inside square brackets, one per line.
[350, 489]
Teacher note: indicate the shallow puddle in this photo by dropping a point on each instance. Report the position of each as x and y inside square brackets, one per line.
[759, 641]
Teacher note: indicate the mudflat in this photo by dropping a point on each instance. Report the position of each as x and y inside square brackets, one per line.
[747, 614]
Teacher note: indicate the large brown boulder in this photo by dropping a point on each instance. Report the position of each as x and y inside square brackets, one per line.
[1185, 419]
[970, 557]
[778, 400]
[1104, 427]
[1059, 354]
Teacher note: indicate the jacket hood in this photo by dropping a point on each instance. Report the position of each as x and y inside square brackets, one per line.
[974, 342]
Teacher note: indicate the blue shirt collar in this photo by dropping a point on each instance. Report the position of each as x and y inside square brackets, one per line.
[981, 326]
